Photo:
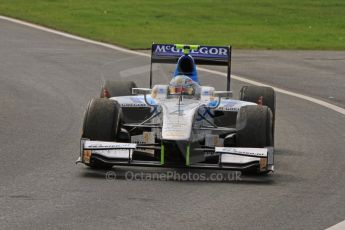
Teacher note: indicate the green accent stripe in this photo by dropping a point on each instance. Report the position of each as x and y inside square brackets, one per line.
[187, 48]
[162, 154]
[187, 155]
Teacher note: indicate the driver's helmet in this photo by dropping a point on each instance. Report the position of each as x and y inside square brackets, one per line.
[182, 84]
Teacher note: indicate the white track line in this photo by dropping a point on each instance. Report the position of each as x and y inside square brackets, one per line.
[339, 226]
[283, 91]
[242, 79]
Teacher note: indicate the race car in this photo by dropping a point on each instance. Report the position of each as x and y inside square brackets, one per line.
[183, 123]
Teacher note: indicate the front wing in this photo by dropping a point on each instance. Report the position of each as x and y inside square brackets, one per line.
[230, 158]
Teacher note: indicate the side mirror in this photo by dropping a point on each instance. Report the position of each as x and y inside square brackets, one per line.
[222, 93]
[141, 91]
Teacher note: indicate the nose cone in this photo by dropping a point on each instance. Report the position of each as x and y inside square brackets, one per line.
[178, 119]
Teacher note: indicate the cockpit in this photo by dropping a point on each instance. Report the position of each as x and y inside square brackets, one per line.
[183, 85]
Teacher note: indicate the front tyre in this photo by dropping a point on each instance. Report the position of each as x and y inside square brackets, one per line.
[254, 129]
[101, 123]
[262, 95]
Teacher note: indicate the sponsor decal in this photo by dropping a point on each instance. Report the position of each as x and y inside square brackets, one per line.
[108, 145]
[203, 51]
[133, 105]
[232, 105]
[115, 153]
[228, 108]
[255, 152]
[137, 100]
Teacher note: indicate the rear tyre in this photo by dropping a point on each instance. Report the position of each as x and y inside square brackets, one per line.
[101, 123]
[112, 88]
[261, 95]
[115, 88]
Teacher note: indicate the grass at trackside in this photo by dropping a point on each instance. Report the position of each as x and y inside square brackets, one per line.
[266, 24]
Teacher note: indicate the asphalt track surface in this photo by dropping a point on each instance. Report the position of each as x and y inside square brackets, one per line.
[45, 83]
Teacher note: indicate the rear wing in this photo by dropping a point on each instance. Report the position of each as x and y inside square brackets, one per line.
[202, 55]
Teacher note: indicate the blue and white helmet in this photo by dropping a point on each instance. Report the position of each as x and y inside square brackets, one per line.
[182, 84]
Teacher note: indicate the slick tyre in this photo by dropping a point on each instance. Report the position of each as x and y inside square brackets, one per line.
[254, 127]
[124, 88]
[261, 95]
[101, 123]
[112, 88]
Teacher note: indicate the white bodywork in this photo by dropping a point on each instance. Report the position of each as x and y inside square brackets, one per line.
[179, 117]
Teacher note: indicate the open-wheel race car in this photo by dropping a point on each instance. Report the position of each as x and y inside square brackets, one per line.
[181, 124]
